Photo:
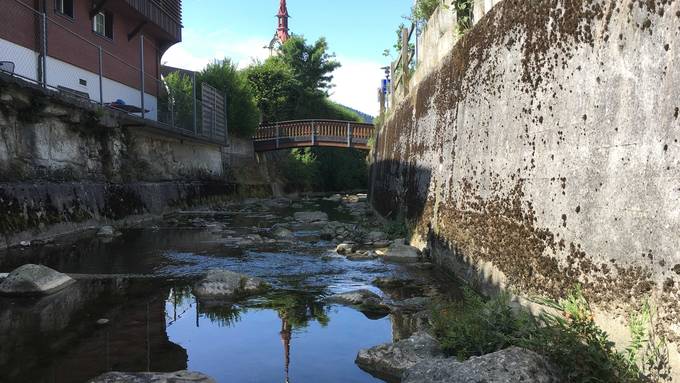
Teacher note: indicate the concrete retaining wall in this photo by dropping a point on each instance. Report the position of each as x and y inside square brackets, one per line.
[543, 152]
[67, 166]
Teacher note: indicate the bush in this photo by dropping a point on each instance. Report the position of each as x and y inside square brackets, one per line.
[423, 9]
[570, 339]
[243, 115]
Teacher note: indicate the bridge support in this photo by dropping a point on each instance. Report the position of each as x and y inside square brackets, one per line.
[313, 134]
[277, 136]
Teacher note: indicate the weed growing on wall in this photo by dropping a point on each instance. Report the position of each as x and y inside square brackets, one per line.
[424, 9]
[578, 348]
[463, 9]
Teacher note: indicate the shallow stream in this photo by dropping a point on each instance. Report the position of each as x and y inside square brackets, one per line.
[139, 283]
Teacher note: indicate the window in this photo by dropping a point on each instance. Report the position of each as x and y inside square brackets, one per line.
[65, 7]
[102, 24]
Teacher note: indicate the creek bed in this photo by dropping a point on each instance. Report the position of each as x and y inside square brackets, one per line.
[140, 282]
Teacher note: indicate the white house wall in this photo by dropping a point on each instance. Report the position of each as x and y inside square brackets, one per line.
[60, 73]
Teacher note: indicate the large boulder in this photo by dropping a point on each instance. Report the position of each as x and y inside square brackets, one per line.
[225, 284]
[411, 305]
[364, 300]
[345, 248]
[512, 365]
[398, 252]
[107, 231]
[391, 361]
[311, 216]
[376, 236]
[30, 279]
[153, 377]
[281, 232]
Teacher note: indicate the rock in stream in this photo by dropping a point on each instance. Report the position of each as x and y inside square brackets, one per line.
[225, 284]
[153, 377]
[512, 365]
[30, 279]
[391, 361]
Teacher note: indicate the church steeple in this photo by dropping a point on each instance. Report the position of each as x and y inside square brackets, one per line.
[282, 31]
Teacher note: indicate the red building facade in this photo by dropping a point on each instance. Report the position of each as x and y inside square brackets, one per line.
[75, 33]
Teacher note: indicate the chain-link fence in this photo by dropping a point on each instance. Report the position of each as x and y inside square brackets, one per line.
[65, 54]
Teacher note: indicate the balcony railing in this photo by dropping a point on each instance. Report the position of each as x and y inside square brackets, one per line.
[167, 14]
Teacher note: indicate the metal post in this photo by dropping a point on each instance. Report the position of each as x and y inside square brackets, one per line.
[101, 73]
[417, 51]
[193, 93]
[214, 121]
[381, 100]
[141, 69]
[313, 134]
[43, 59]
[226, 122]
[349, 135]
[277, 136]
[172, 110]
[404, 59]
[392, 81]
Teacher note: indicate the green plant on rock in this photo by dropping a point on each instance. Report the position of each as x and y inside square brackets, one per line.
[568, 336]
[474, 326]
[397, 228]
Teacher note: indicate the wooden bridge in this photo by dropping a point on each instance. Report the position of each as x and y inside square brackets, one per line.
[306, 133]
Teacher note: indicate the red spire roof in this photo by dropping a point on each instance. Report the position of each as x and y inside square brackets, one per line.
[282, 31]
[283, 9]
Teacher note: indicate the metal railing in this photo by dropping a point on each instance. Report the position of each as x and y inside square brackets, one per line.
[400, 70]
[79, 63]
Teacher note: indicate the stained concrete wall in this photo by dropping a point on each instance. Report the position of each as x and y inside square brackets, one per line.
[544, 152]
[66, 166]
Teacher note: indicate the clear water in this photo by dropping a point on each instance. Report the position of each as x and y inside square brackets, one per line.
[156, 324]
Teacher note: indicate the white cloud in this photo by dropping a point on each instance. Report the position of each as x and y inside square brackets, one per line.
[197, 50]
[356, 84]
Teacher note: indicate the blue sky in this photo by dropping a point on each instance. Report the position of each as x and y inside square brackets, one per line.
[357, 32]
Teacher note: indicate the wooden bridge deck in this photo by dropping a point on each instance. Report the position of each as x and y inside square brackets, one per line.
[306, 133]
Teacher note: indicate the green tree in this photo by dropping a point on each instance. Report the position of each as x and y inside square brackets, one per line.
[178, 100]
[312, 65]
[272, 83]
[243, 114]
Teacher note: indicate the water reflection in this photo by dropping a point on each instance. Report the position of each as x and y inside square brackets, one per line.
[56, 339]
[289, 335]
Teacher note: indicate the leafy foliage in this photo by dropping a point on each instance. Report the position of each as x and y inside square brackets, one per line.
[272, 84]
[580, 349]
[397, 228]
[243, 115]
[179, 99]
[312, 65]
[301, 170]
[423, 9]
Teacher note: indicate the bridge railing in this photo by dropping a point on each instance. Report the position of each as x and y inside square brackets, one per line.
[314, 133]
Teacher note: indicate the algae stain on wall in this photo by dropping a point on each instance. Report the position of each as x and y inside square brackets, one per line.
[546, 145]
